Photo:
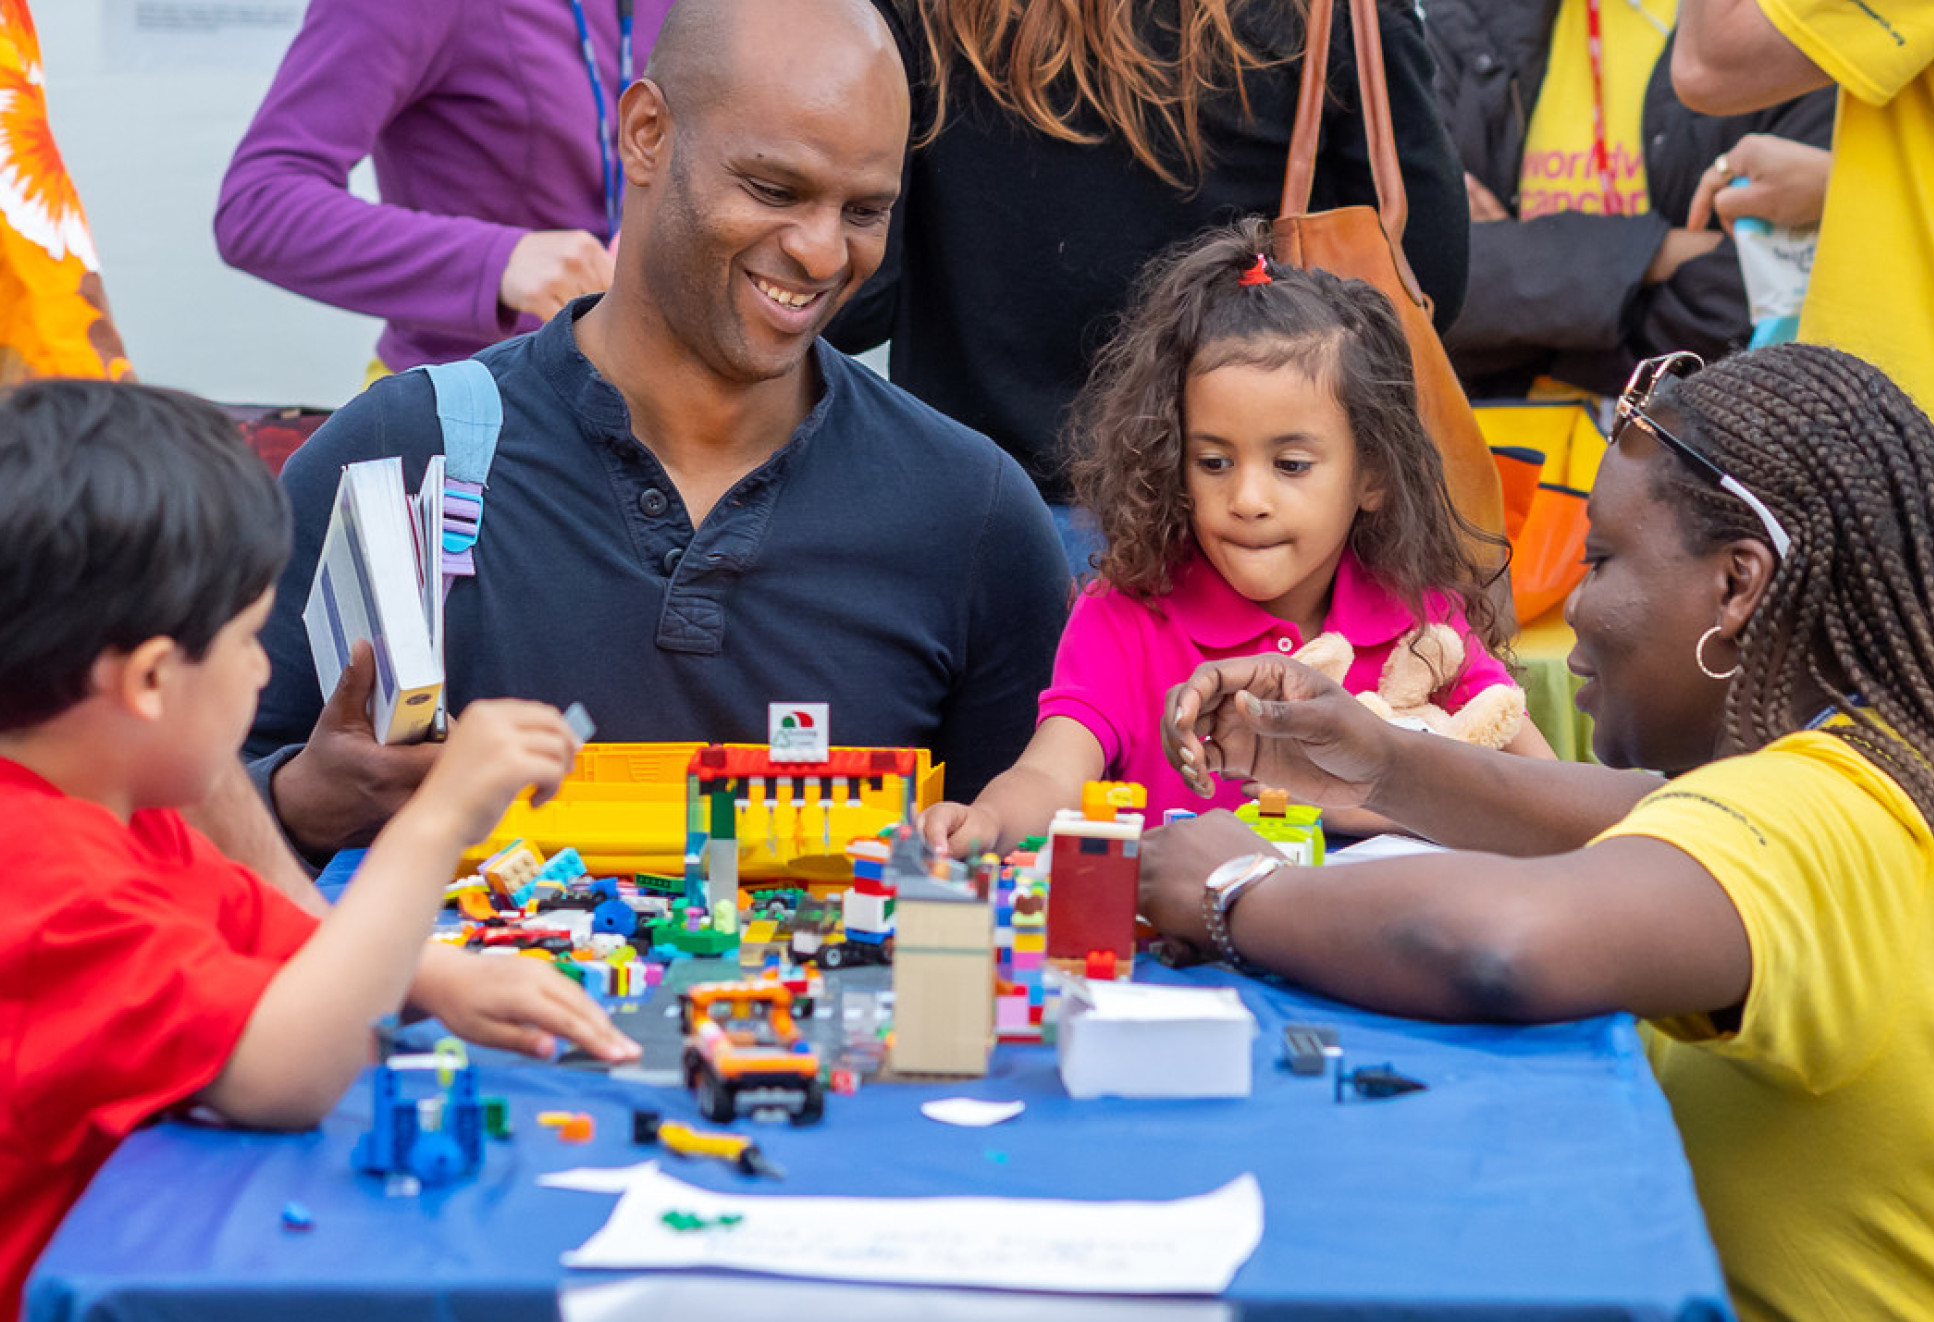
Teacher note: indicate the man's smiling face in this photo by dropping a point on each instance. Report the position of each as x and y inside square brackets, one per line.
[772, 206]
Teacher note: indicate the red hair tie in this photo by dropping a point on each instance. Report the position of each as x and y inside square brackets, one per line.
[1257, 274]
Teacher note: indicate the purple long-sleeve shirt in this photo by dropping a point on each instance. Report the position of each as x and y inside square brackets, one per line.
[479, 117]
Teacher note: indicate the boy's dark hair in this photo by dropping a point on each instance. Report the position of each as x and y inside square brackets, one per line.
[1191, 314]
[1845, 460]
[126, 513]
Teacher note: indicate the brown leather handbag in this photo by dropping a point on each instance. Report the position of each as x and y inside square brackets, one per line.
[1368, 245]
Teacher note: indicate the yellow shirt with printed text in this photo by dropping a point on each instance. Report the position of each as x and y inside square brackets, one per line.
[1558, 173]
[1810, 1129]
[1872, 289]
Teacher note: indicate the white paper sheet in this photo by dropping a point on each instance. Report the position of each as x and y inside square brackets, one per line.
[1381, 846]
[1183, 1246]
[599, 1179]
[970, 1112]
[709, 1295]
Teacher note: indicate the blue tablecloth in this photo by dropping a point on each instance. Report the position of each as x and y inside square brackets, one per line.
[1539, 1177]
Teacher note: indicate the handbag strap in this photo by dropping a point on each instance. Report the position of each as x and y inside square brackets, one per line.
[1393, 206]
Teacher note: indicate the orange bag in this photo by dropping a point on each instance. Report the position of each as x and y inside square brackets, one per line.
[1547, 455]
[1367, 245]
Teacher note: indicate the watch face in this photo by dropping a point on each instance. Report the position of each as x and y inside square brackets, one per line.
[1227, 874]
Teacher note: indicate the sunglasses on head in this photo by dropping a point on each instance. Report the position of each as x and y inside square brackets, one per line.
[1646, 379]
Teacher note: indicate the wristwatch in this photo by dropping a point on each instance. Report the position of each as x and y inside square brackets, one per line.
[1220, 891]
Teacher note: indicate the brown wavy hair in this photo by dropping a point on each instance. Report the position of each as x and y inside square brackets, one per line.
[1189, 315]
[1845, 460]
[1054, 62]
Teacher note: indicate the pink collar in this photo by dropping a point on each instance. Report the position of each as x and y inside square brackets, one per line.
[1218, 618]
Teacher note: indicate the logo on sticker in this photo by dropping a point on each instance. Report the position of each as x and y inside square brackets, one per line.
[797, 731]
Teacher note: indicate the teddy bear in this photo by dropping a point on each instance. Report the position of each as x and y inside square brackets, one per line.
[1423, 662]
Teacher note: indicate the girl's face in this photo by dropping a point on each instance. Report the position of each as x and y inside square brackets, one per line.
[1273, 484]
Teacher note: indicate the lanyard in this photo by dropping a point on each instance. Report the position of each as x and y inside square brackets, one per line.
[1601, 154]
[607, 159]
[1831, 710]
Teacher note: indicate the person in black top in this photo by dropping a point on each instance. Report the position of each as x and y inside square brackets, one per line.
[1576, 295]
[1033, 195]
[696, 509]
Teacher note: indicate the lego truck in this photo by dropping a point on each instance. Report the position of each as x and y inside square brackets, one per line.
[744, 1053]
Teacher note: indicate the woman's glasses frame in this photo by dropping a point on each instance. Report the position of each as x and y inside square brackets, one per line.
[1630, 411]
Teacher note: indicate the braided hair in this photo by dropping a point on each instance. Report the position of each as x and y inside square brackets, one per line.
[1845, 460]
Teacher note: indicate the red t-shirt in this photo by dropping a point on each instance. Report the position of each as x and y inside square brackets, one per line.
[130, 960]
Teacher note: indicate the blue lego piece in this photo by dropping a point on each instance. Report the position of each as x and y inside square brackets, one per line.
[616, 917]
[399, 1143]
[564, 867]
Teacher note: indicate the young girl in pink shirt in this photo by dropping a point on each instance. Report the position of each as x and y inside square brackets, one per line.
[1250, 445]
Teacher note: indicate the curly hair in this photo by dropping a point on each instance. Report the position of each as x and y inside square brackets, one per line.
[1053, 62]
[1190, 314]
[1845, 460]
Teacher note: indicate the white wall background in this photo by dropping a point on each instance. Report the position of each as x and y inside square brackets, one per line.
[148, 99]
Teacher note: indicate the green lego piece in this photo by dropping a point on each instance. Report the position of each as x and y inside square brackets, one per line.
[1298, 825]
[656, 883]
[496, 1117]
[725, 822]
[705, 941]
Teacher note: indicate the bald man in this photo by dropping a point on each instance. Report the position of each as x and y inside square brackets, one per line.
[697, 507]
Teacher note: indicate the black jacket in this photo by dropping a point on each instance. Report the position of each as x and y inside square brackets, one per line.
[1563, 294]
[1011, 253]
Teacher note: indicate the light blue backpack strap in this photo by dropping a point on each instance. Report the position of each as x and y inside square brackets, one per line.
[470, 412]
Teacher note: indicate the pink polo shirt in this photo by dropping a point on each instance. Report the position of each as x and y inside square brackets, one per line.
[1119, 657]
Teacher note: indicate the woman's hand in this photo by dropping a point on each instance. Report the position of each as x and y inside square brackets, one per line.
[1484, 203]
[549, 268]
[1177, 859]
[1272, 722]
[1786, 184]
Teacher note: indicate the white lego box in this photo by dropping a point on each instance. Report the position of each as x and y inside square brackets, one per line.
[1131, 1039]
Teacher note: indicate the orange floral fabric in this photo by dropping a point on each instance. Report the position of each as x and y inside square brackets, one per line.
[53, 311]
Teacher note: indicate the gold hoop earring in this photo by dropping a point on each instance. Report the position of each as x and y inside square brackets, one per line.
[1699, 655]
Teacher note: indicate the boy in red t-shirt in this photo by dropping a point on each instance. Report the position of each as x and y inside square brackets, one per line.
[140, 969]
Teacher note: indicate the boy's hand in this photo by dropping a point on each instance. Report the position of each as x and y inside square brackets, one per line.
[954, 829]
[340, 789]
[496, 748]
[515, 1004]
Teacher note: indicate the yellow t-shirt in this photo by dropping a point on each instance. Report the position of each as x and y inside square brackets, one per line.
[1872, 289]
[1558, 173]
[1810, 1129]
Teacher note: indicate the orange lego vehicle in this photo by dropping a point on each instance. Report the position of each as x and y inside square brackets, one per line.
[743, 1052]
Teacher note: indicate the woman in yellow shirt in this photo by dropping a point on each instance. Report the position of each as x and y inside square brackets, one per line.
[1754, 623]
